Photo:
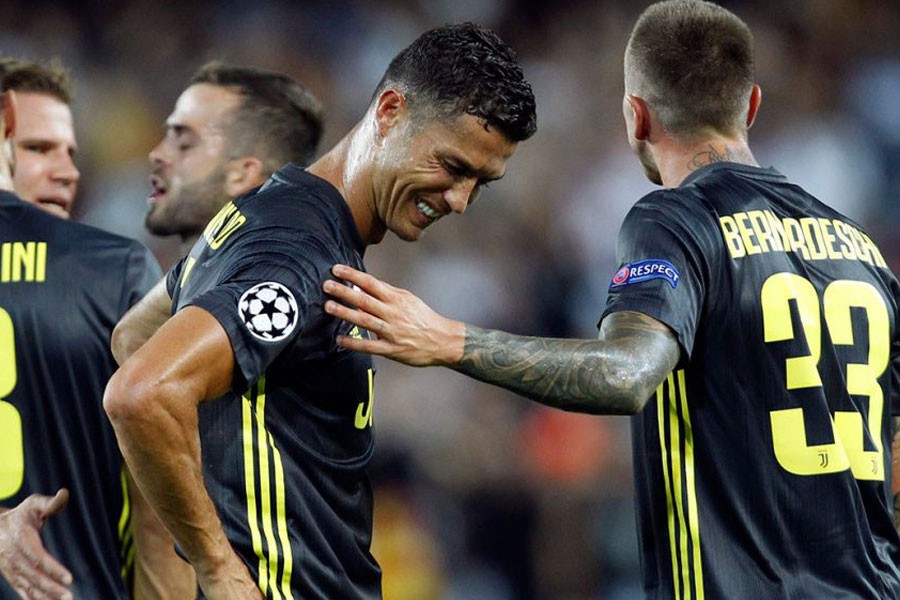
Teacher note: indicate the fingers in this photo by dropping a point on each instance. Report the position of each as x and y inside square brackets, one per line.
[33, 590]
[379, 347]
[370, 284]
[58, 502]
[38, 575]
[356, 317]
[353, 297]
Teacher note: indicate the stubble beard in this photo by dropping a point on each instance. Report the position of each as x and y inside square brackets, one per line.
[187, 213]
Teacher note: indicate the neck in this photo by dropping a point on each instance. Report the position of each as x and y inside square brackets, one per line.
[677, 160]
[348, 167]
[187, 242]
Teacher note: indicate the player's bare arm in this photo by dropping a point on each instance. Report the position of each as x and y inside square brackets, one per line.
[614, 374]
[152, 402]
[141, 322]
[895, 461]
[159, 573]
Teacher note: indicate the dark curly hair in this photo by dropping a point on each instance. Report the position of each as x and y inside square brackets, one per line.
[465, 69]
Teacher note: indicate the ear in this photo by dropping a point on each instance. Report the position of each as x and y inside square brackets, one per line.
[755, 101]
[390, 109]
[242, 174]
[640, 121]
[8, 100]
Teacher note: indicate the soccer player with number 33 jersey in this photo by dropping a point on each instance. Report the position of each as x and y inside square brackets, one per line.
[751, 330]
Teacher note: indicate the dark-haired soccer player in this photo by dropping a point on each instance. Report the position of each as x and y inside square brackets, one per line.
[765, 322]
[284, 431]
[231, 128]
[63, 287]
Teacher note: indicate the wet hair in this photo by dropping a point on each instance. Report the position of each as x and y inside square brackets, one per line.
[692, 61]
[278, 120]
[464, 69]
[50, 78]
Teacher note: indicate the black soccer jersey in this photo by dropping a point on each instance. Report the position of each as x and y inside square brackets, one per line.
[762, 463]
[63, 287]
[285, 452]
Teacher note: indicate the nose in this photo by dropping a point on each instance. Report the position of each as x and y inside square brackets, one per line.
[66, 171]
[158, 154]
[459, 196]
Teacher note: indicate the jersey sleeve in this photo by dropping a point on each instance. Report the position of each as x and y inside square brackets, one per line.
[663, 252]
[264, 299]
[142, 272]
[174, 275]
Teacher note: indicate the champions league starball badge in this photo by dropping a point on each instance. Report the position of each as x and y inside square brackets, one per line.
[269, 311]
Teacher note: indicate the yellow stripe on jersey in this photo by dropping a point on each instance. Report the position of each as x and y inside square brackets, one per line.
[261, 509]
[126, 541]
[663, 446]
[681, 495]
[690, 484]
[250, 486]
[265, 500]
[282, 522]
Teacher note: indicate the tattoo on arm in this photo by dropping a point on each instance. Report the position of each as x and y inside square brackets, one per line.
[615, 374]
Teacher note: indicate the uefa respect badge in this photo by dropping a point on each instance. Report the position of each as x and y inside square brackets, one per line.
[646, 270]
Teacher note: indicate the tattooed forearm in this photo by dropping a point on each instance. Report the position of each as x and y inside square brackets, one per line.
[613, 375]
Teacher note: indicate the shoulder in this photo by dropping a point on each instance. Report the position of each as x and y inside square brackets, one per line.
[683, 207]
[295, 207]
[28, 223]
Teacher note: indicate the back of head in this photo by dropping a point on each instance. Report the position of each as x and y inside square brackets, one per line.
[49, 78]
[278, 121]
[464, 69]
[692, 61]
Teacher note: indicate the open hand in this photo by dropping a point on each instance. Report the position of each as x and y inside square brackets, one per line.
[407, 329]
[24, 561]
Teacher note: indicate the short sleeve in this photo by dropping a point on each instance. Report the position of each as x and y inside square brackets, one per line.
[142, 272]
[264, 300]
[663, 253]
[174, 275]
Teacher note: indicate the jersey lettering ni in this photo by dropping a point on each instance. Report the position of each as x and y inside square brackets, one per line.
[63, 287]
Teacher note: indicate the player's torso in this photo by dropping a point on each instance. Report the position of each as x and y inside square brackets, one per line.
[58, 305]
[286, 461]
[774, 436]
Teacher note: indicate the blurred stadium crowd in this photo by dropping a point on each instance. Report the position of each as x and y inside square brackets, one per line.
[480, 494]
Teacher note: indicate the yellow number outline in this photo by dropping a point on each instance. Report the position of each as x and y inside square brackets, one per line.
[12, 452]
[792, 450]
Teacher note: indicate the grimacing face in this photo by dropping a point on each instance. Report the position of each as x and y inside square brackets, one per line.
[188, 176]
[44, 147]
[429, 170]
